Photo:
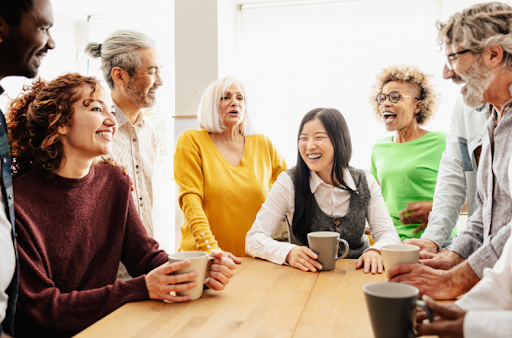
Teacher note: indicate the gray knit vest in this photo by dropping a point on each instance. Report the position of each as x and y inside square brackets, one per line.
[351, 226]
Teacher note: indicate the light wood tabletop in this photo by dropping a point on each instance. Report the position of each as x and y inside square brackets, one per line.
[262, 300]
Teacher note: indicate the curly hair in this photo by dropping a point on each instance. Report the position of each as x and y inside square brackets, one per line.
[479, 27]
[410, 74]
[33, 119]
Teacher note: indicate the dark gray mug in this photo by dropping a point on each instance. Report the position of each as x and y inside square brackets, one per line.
[392, 308]
[325, 244]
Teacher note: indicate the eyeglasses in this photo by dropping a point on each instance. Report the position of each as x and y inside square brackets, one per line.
[394, 97]
[453, 57]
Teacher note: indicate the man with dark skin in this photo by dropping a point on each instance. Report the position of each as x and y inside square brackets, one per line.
[24, 41]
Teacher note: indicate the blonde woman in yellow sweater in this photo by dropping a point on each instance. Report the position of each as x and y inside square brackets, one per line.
[223, 171]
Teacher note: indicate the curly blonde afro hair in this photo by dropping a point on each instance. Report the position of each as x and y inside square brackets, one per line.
[410, 74]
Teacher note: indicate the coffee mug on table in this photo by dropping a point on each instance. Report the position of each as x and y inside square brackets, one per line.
[325, 244]
[392, 309]
[399, 253]
[201, 263]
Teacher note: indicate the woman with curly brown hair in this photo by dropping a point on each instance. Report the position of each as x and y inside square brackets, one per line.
[406, 164]
[76, 219]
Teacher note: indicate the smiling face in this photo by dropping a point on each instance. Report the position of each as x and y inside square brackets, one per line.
[316, 149]
[401, 114]
[141, 90]
[471, 74]
[232, 106]
[93, 125]
[22, 48]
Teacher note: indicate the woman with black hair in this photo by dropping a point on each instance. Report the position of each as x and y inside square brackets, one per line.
[322, 193]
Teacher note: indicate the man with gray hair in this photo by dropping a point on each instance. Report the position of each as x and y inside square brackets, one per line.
[478, 44]
[131, 66]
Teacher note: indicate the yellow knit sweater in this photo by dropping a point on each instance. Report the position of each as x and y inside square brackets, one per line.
[220, 201]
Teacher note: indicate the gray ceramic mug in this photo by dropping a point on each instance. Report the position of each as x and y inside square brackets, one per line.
[392, 308]
[325, 244]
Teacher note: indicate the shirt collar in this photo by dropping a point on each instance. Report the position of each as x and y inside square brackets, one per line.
[122, 119]
[315, 181]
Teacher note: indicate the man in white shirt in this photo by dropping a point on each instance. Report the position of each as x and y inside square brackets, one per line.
[485, 311]
[131, 66]
[24, 41]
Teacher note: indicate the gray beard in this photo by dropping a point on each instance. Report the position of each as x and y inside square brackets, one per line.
[478, 79]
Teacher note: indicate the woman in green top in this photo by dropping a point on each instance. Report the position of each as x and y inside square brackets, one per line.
[406, 164]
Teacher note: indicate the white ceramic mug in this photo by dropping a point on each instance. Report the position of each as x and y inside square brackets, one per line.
[201, 263]
[399, 253]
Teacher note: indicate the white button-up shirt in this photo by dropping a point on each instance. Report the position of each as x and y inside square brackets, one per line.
[331, 200]
[135, 147]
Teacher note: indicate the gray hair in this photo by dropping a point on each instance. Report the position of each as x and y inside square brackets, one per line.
[479, 27]
[208, 111]
[120, 49]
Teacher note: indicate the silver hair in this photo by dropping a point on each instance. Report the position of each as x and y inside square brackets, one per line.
[208, 111]
[479, 27]
[120, 49]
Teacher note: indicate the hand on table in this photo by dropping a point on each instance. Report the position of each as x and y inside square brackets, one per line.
[444, 259]
[433, 282]
[160, 283]
[371, 260]
[415, 213]
[222, 269]
[303, 258]
[426, 245]
[448, 320]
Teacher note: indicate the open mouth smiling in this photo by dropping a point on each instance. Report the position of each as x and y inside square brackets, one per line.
[389, 116]
[314, 156]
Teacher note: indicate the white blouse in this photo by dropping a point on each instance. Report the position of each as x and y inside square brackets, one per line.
[331, 200]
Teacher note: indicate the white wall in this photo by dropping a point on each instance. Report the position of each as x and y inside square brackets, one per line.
[296, 57]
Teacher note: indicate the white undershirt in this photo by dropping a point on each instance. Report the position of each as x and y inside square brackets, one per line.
[332, 201]
[7, 258]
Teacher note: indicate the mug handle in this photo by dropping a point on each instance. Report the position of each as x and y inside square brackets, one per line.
[208, 268]
[339, 240]
[430, 316]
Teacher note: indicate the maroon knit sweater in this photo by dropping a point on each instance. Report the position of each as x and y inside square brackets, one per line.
[72, 233]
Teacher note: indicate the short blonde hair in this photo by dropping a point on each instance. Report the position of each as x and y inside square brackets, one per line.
[413, 75]
[208, 112]
[479, 27]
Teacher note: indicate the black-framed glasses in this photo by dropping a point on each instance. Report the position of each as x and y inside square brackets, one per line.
[453, 57]
[393, 96]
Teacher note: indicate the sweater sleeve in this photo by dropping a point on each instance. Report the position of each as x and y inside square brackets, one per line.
[42, 300]
[188, 173]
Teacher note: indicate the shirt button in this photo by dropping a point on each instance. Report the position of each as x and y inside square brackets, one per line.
[208, 246]
[140, 198]
[206, 241]
[141, 204]
[134, 140]
[4, 159]
[10, 197]
[137, 166]
[202, 234]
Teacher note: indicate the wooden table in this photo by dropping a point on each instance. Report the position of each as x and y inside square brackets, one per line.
[262, 300]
